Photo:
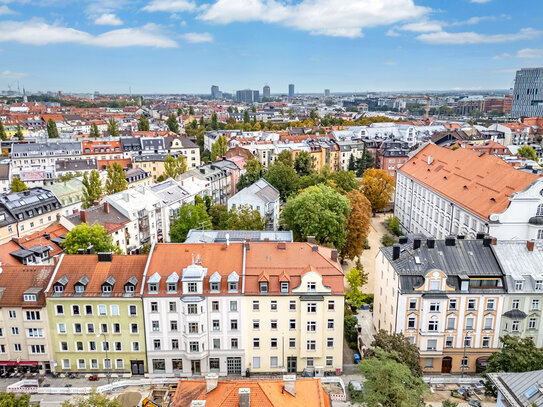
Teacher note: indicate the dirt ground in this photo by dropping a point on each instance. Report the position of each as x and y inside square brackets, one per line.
[444, 393]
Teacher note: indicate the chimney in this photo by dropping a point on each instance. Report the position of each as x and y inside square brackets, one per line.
[105, 257]
[311, 239]
[494, 241]
[461, 237]
[106, 207]
[480, 235]
[281, 246]
[402, 239]
[96, 203]
[58, 217]
[530, 245]
[76, 211]
[198, 403]
[314, 248]
[395, 251]
[430, 159]
[450, 241]
[416, 243]
[247, 244]
[90, 249]
[80, 251]
[487, 240]
[212, 381]
[83, 216]
[227, 239]
[244, 397]
[431, 243]
[289, 384]
[47, 236]
[203, 170]
[333, 255]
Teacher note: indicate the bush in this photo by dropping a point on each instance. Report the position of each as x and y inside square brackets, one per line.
[393, 225]
[367, 245]
[449, 403]
[388, 240]
[350, 331]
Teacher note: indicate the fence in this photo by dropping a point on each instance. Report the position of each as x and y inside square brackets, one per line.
[339, 381]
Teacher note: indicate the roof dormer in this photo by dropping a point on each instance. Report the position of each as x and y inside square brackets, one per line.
[107, 286]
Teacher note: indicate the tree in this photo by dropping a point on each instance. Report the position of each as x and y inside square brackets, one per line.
[3, 135]
[175, 166]
[358, 225]
[378, 187]
[345, 181]
[13, 400]
[283, 178]
[191, 110]
[93, 400]
[52, 131]
[173, 124]
[302, 163]
[516, 355]
[19, 132]
[143, 124]
[364, 162]
[405, 352]
[214, 122]
[317, 211]
[116, 179]
[218, 149]
[352, 163]
[84, 235]
[246, 118]
[449, 403]
[189, 217]
[349, 330]
[112, 128]
[389, 383]
[219, 215]
[253, 172]
[527, 152]
[244, 218]
[356, 278]
[285, 157]
[92, 189]
[94, 132]
[17, 185]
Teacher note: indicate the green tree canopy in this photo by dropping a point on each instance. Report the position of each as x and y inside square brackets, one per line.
[285, 157]
[244, 218]
[93, 400]
[219, 147]
[364, 162]
[356, 278]
[175, 166]
[173, 124]
[318, 211]
[17, 185]
[84, 235]
[191, 110]
[405, 352]
[189, 217]
[253, 172]
[246, 117]
[390, 383]
[14, 400]
[219, 215]
[112, 128]
[345, 181]
[303, 163]
[116, 179]
[92, 189]
[283, 178]
[214, 122]
[52, 131]
[19, 132]
[378, 187]
[94, 132]
[143, 124]
[527, 152]
[3, 135]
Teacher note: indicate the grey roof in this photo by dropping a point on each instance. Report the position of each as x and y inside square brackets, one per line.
[194, 272]
[515, 314]
[169, 191]
[83, 280]
[28, 204]
[130, 143]
[518, 263]
[132, 280]
[466, 258]
[49, 148]
[96, 214]
[110, 280]
[149, 157]
[185, 142]
[63, 280]
[516, 388]
[219, 236]
[84, 164]
[6, 218]
[264, 190]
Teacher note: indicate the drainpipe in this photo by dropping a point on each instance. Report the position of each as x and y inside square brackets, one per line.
[243, 270]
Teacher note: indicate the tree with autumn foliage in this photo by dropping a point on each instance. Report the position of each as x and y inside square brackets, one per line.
[378, 187]
[358, 225]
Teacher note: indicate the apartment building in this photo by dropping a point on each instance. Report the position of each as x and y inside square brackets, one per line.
[521, 262]
[24, 330]
[262, 197]
[183, 145]
[102, 149]
[526, 98]
[441, 192]
[172, 196]
[96, 315]
[446, 296]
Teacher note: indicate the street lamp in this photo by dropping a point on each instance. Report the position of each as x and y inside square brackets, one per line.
[464, 358]
[107, 359]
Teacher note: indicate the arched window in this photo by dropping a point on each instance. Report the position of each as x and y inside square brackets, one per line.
[539, 210]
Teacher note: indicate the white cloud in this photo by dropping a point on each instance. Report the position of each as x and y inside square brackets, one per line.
[5, 10]
[338, 18]
[12, 75]
[393, 33]
[108, 19]
[172, 6]
[526, 53]
[423, 26]
[502, 56]
[473, 20]
[36, 32]
[442, 37]
[198, 37]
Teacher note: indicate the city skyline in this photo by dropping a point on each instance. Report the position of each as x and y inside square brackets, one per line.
[184, 46]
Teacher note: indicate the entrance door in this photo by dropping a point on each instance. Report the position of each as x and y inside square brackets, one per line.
[446, 364]
[47, 368]
[195, 367]
[137, 367]
[292, 364]
[233, 365]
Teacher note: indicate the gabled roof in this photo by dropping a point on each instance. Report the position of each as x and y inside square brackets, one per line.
[17, 280]
[520, 389]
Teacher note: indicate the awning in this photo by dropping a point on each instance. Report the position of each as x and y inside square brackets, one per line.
[14, 363]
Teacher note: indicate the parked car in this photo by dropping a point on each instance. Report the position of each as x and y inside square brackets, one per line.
[474, 403]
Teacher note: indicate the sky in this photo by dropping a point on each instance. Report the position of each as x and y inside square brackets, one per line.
[185, 46]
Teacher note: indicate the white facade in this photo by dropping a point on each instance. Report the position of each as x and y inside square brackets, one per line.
[260, 196]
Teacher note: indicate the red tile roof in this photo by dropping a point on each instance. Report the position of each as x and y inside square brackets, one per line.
[16, 280]
[480, 183]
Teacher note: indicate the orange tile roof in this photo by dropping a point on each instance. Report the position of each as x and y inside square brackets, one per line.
[5, 256]
[123, 162]
[16, 280]
[264, 393]
[480, 183]
[122, 268]
[38, 238]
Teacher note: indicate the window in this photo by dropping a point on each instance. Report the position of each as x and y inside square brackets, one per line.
[429, 363]
[232, 286]
[273, 324]
[434, 307]
[329, 361]
[214, 364]
[61, 328]
[193, 327]
[156, 344]
[64, 346]
[467, 341]
[292, 343]
[75, 309]
[311, 345]
[469, 323]
[412, 304]
[234, 343]
[92, 346]
[29, 297]
[234, 325]
[77, 328]
[453, 303]
[519, 284]
[59, 310]
[35, 333]
[37, 349]
[311, 286]
[65, 363]
[14, 330]
[434, 285]
[330, 342]
[192, 309]
[486, 342]
[134, 328]
[32, 315]
[216, 343]
[411, 323]
[451, 322]
[119, 364]
[515, 326]
[175, 344]
[311, 307]
[132, 310]
[465, 362]
[515, 304]
[256, 362]
[449, 341]
[472, 304]
[292, 305]
[214, 306]
[116, 328]
[330, 324]
[256, 324]
[284, 287]
[102, 310]
[192, 287]
[488, 323]
[159, 365]
[273, 306]
[115, 310]
[105, 346]
[153, 288]
[173, 326]
[273, 343]
[432, 326]
[310, 362]
[233, 306]
[331, 305]
[256, 343]
[172, 306]
[490, 304]
[535, 304]
[431, 344]
[531, 323]
[214, 287]
[154, 307]
[539, 285]
[216, 325]
[155, 325]
[88, 309]
[311, 326]
[273, 362]
[263, 287]
[256, 306]
[171, 287]
[81, 363]
[135, 346]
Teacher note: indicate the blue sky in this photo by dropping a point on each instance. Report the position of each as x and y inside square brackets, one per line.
[185, 46]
